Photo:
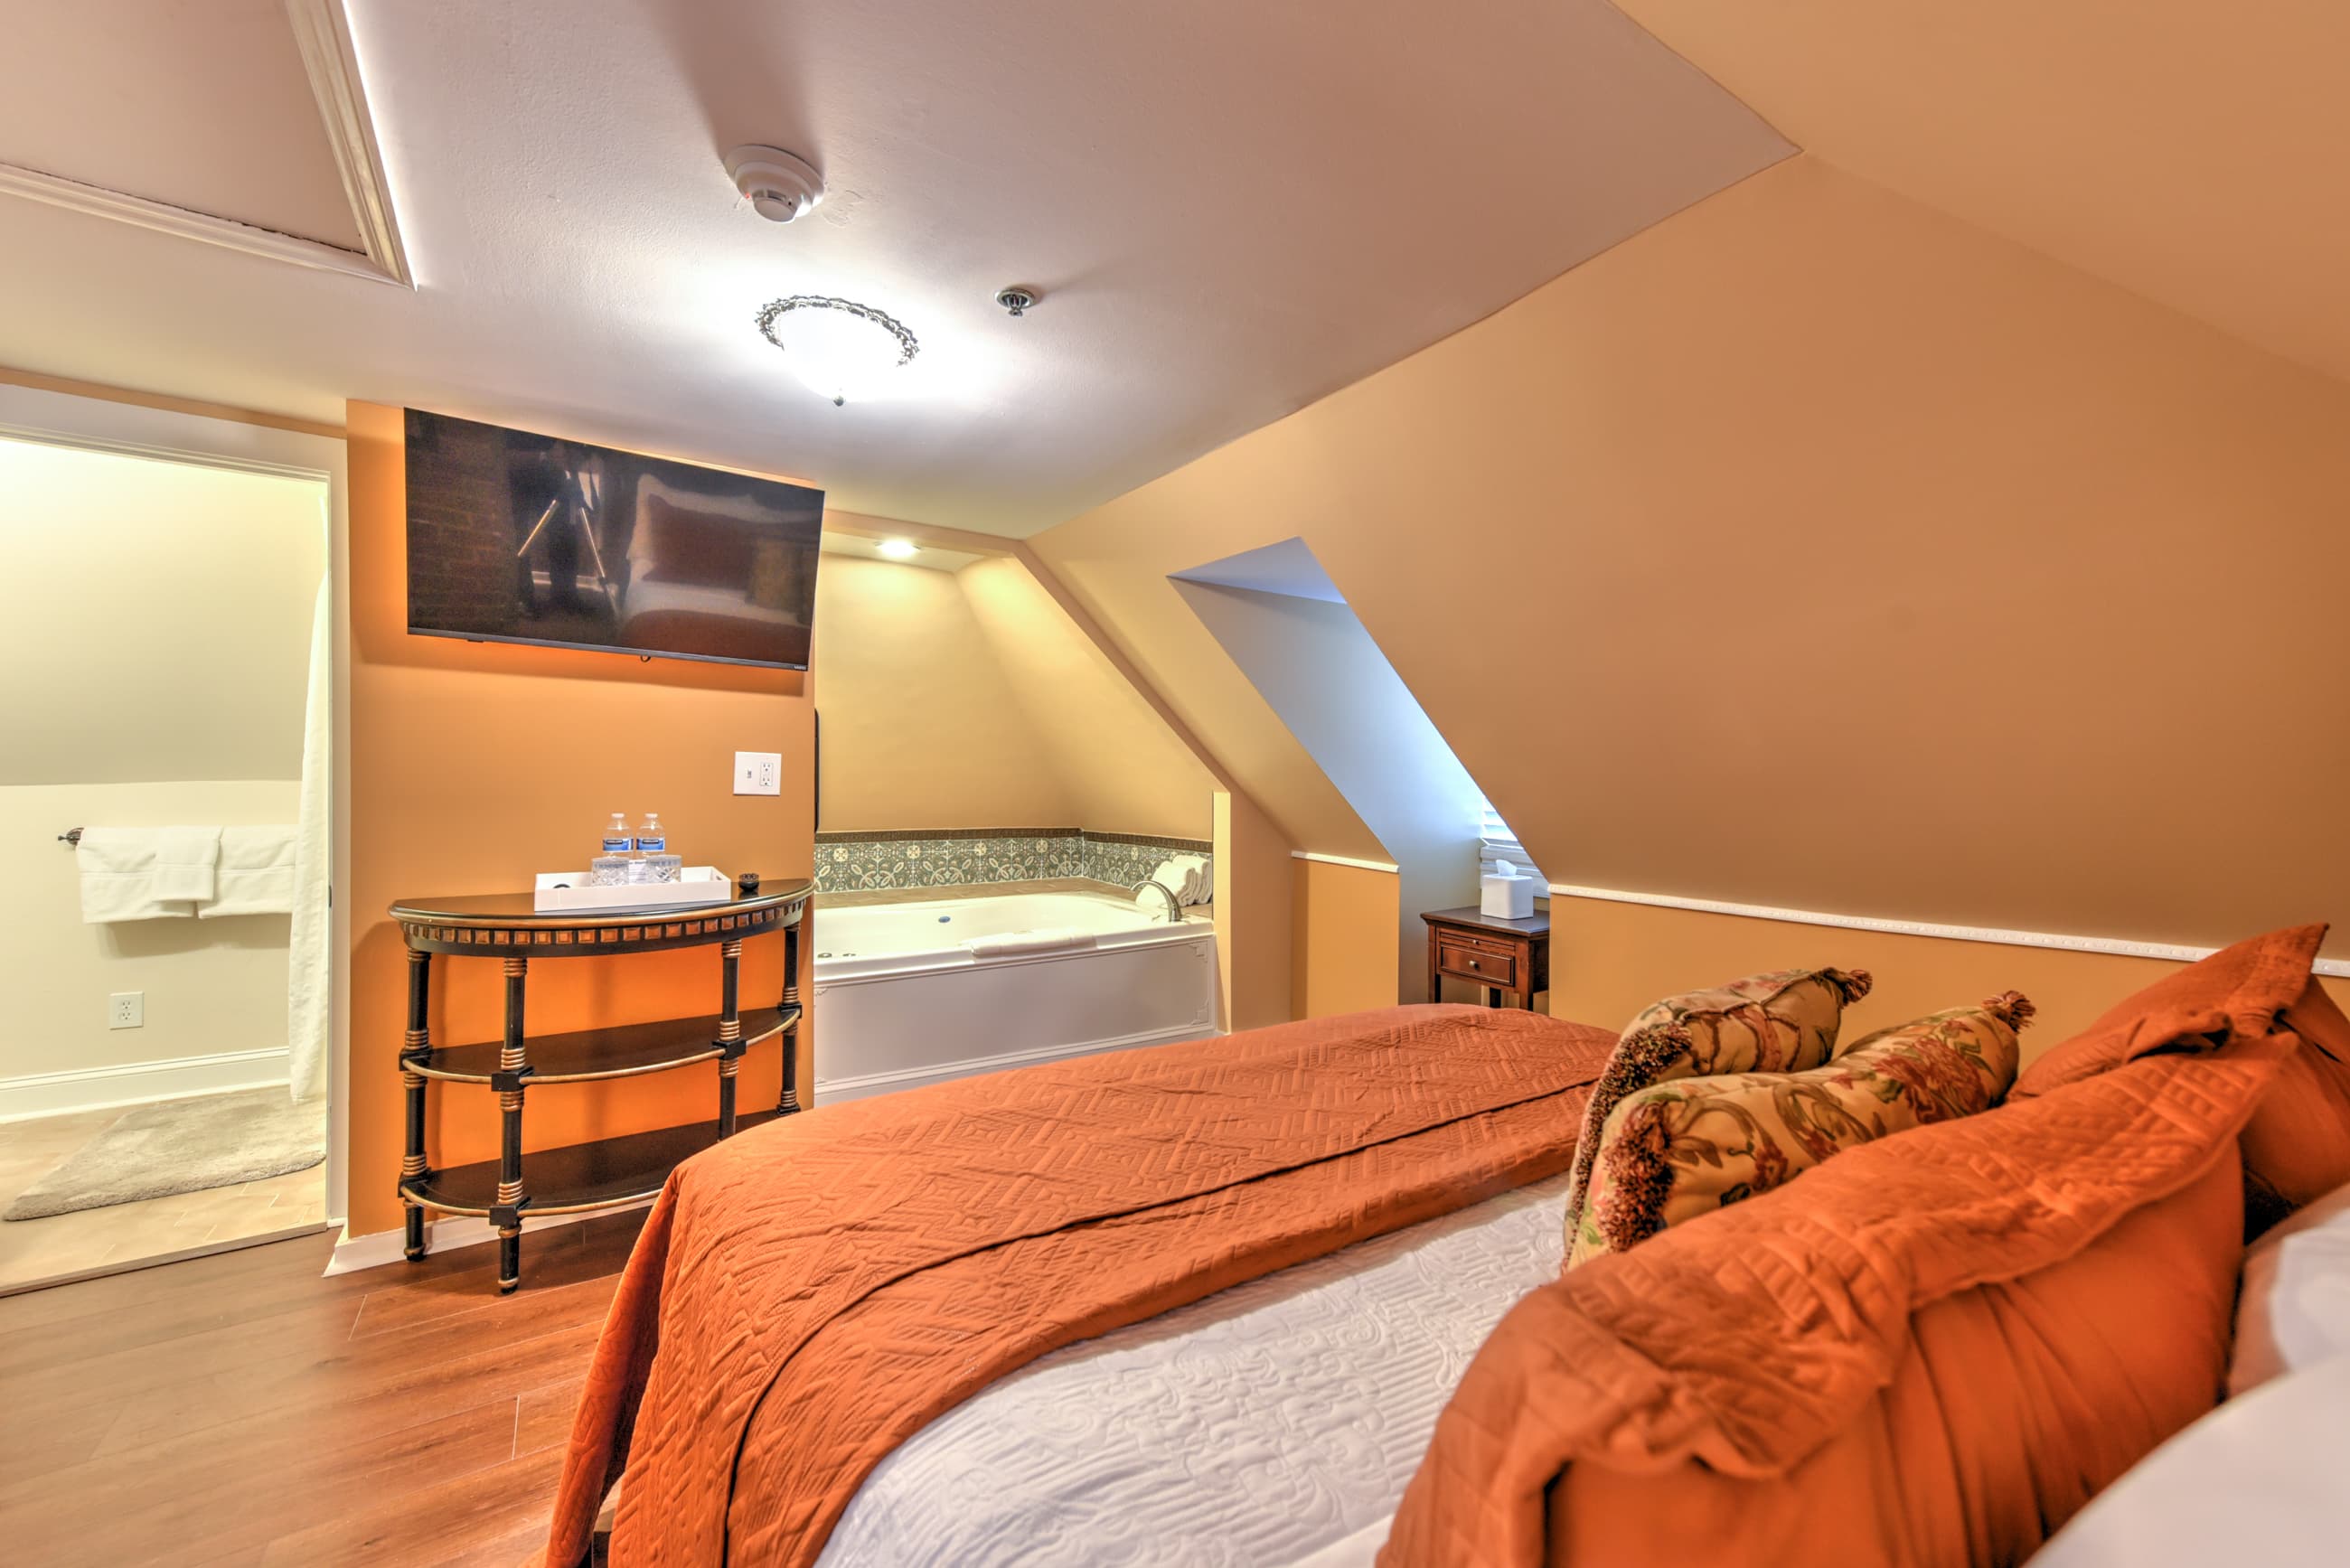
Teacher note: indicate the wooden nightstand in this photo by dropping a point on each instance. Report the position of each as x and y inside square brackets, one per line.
[1509, 957]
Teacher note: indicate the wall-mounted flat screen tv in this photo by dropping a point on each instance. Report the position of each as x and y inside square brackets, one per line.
[515, 537]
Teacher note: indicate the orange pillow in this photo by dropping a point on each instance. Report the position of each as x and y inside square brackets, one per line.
[1933, 1349]
[2297, 1145]
[2237, 988]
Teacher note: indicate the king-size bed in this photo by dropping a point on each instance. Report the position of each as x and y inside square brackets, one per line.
[1294, 1297]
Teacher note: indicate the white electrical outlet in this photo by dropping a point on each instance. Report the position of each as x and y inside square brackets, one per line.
[127, 1010]
[758, 773]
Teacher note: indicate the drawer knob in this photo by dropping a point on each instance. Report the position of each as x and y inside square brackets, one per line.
[1472, 963]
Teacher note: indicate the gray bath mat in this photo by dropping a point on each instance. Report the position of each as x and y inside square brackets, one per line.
[182, 1145]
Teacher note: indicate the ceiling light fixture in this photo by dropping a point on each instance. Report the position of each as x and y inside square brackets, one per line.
[840, 348]
[897, 549]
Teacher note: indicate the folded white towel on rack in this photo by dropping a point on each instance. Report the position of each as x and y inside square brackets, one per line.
[1050, 940]
[146, 873]
[257, 872]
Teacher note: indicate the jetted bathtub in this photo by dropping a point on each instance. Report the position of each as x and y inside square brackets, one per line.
[916, 993]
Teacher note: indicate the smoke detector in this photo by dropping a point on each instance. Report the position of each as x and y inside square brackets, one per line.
[780, 185]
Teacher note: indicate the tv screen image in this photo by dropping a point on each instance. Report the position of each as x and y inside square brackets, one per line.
[516, 537]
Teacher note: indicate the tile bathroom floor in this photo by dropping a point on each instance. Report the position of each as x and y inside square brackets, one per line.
[153, 1230]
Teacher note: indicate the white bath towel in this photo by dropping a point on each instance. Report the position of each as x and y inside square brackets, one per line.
[257, 873]
[1051, 940]
[146, 873]
[1188, 877]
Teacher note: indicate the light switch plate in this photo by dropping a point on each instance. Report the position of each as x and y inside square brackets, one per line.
[125, 1010]
[758, 773]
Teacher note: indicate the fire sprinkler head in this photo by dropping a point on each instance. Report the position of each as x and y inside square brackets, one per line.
[779, 185]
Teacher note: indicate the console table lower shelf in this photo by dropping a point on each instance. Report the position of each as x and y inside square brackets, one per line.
[579, 1178]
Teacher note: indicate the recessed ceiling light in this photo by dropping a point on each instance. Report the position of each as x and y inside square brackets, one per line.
[838, 348]
[897, 549]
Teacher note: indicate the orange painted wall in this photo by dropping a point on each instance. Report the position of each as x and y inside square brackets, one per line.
[474, 765]
[1815, 548]
[1343, 939]
[1609, 960]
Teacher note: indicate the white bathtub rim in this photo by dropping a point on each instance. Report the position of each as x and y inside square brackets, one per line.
[831, 1089]
[933, 960]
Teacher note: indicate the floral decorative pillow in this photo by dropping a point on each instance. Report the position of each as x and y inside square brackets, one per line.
[1679, 1149]
[1783, 1022]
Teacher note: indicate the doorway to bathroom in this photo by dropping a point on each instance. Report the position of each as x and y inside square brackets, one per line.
[166, 1058]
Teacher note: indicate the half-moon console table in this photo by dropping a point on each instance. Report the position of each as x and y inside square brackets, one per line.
[609, 1172]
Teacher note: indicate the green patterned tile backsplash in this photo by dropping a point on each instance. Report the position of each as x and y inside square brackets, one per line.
[852, 862]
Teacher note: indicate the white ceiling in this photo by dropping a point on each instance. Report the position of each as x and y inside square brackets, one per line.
[1231, 209]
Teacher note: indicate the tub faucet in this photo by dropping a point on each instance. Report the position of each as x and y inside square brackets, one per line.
[1174, 905]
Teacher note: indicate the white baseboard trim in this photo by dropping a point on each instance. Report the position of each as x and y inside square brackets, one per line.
[1387, 866]
[858, 1087]
[443, 1235]
[139, 1083]
[2120, 946]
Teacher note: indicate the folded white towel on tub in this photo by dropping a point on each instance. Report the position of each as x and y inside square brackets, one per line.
[1043, 941]
[257, 872]
[1188, 877]
[146, 873]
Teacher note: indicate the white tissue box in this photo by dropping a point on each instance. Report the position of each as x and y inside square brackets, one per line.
[569, 890]
[1506, 898]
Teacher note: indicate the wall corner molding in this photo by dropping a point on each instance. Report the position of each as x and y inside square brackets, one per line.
[322, 31]
[322, 34]
[2122, 946]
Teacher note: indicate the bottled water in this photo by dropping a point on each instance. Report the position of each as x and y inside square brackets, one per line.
[610, 866]
[652, 861]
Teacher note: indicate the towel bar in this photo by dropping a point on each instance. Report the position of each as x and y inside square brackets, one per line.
[70, 835]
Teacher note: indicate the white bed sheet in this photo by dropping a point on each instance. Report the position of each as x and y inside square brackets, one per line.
[1269, 1426]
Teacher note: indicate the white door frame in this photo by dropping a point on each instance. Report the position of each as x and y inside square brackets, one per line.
[62, 418]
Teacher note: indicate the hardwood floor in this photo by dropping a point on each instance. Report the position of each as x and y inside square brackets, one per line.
[239, 1410]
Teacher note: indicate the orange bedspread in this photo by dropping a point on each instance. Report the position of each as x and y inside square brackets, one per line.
[807, 1296]
[1931, 1350]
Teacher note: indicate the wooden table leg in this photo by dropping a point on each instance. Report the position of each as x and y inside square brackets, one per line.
[513, 1058]
[415, 1044]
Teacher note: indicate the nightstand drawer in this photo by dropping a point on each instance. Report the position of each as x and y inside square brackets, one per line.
[1481, 964]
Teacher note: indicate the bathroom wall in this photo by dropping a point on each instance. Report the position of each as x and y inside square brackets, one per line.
[972, 733]
[1125, 770]
[156, 619]
[921, 727]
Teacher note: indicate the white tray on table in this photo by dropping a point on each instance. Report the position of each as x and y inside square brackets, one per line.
[695, 885]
